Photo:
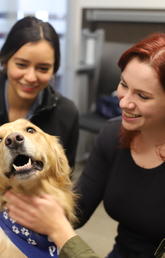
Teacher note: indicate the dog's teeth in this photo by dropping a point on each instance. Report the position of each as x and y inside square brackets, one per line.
[15, 167]
[26, 166]
[29, 162]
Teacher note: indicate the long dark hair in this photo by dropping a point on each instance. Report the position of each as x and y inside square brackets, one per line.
[30, 29]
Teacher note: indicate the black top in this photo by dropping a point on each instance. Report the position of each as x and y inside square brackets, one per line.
[55, 115]
[132, 195]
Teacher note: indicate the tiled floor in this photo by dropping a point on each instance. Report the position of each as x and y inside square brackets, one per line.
[99, 231]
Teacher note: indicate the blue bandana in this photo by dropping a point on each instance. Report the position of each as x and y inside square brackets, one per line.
[30, 243]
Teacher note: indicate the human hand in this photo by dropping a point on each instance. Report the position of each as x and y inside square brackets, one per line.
[42, 214]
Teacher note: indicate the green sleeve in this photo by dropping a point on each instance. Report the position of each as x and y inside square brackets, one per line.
[76, 248]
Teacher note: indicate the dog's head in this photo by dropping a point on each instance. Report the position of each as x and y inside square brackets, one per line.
[28, 154]
[32, 161]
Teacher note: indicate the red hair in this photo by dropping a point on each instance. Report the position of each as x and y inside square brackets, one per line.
[126, 137]
[150, 50]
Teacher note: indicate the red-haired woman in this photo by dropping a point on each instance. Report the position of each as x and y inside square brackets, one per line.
[128, 174]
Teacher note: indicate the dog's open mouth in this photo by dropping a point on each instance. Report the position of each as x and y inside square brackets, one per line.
[24, 166]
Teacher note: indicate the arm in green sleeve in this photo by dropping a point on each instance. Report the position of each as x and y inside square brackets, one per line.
[76, 248]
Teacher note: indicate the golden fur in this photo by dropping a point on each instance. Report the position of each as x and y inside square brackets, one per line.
[21, 139]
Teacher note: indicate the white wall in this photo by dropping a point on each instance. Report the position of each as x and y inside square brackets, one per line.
[56, 6]
[8, 7]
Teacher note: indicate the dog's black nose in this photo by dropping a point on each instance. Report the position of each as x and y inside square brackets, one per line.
[14, 140]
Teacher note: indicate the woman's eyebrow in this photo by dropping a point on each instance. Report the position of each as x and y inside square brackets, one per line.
[27, 61]
[46, 64]
[20, 59]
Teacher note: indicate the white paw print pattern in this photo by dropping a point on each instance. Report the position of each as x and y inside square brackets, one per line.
[12, 220]
[52, 250]
[5, 215]
[31, 241]
[25, 231]
[15, 229]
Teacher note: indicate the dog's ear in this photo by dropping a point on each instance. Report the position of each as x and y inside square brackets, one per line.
[59, 166]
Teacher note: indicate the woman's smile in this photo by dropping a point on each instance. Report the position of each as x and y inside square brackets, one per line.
[28, 88]
[130, 115]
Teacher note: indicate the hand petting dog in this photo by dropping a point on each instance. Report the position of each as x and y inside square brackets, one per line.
[34, 212]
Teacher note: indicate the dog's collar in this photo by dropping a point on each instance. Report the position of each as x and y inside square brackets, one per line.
[30, 243]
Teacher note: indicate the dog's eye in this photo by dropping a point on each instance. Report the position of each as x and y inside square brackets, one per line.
[30, 130]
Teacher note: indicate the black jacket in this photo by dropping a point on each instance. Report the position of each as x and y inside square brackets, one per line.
[56, 115]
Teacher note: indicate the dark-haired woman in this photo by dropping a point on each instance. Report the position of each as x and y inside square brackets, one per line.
[29, 58]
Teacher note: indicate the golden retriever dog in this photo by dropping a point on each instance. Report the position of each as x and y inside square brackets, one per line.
[32, 162]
